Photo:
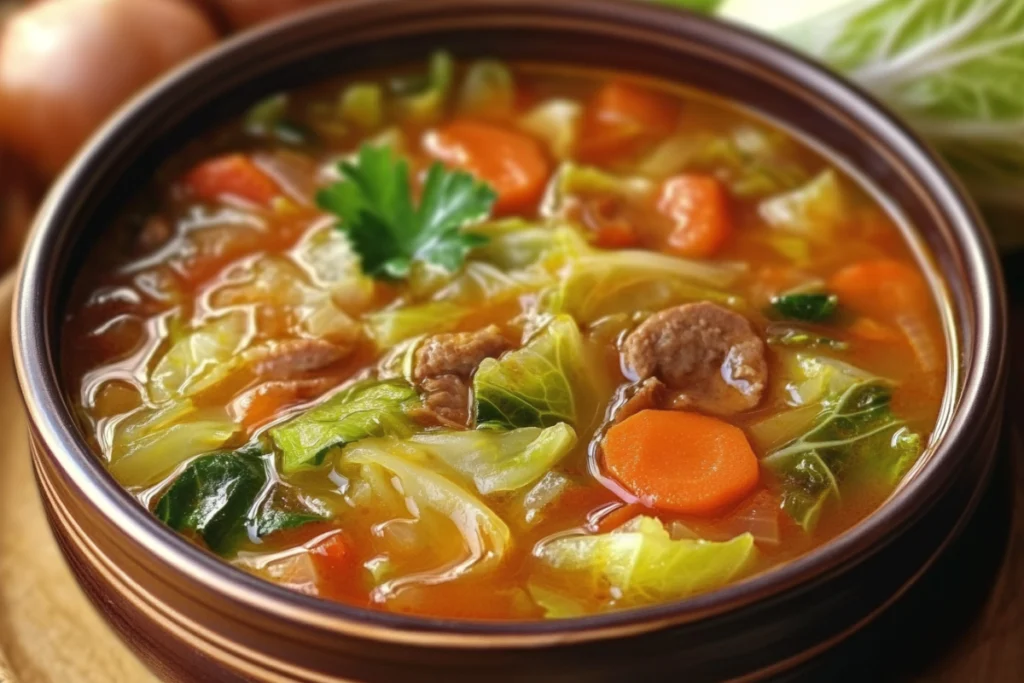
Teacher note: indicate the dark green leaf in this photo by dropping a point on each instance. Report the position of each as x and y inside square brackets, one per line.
[374, 205]
[216, 499]
[806, 307]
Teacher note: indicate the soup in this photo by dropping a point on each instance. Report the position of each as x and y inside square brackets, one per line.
[570, 339]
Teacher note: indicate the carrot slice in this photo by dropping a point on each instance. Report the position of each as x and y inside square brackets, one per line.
[699, 211]
[232, 175]
[331, 555]
[619, 516]
[620, 113]
[512, 163]
[683, 462]
[881, 288]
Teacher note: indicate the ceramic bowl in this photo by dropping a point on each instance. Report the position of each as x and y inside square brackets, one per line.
[195, 618]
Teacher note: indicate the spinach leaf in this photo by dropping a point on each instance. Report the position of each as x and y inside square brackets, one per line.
[216, 498]
[858, 433]
[807, 307]
[374, 203]
[365, 409]
[534, 386]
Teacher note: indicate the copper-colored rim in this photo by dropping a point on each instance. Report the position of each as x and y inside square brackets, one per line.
[979, 396]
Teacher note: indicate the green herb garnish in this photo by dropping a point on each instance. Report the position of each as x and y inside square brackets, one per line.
[374, 203]
[806, 307]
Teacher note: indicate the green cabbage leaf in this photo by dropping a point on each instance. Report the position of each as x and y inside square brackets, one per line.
[537, 385]
[365, 409]
[637, 564]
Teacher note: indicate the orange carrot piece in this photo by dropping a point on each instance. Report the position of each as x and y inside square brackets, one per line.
[232, 175]
[621, 112]
[698, 207]
[512, 163]
[880, 288]
[872, 330]
[618, 234]
[683, 462]
[331, 555]
[619, 516]
[621, 103]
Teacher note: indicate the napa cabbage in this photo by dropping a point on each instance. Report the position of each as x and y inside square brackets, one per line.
[637, 564]
[536, 385]
[951, 68]
[365, 409]
[813, 210]
[197, 360]
[500, 460]
[485, 536]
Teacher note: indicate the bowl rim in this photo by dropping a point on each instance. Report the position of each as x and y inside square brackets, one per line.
[64, 447]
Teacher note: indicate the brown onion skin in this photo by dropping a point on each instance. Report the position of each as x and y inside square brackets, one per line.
[66, 65]
[241, 14]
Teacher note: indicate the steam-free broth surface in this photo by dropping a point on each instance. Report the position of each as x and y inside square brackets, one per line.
[571, 340]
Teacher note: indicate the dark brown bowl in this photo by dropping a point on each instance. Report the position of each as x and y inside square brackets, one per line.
[194, 618]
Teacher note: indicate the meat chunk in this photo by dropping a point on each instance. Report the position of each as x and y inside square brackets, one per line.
[443, 366]
[458, 353]
[709, 355]
[287, 359]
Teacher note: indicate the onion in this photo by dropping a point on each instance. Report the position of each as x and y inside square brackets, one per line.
[65, 65]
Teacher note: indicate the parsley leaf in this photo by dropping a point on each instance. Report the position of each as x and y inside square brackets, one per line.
[374, 203]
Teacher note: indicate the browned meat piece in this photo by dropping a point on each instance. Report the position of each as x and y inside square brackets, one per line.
[650, 394]
[444, 364]
[707, 353]
[286, 359]
[458, 353]
[446, 401]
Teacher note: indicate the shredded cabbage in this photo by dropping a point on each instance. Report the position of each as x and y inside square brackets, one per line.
[363, 410]
[636, 564]
[501, 461]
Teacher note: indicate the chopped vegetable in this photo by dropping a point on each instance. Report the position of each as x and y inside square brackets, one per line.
[883, 287]
[374, 203]
[486, 536]
[638, 564]
[859, 432]
[683, 462]
[488, 90]
[501, 461]
[813, 307]
[534, 386]
[697, 206]
[231, 176]
[216, 498]
[557, 122]
[792, 336]
[422, 98]
[814, 210]
[509, 161]
[362, 104]
[392, 326]
[363, 410]
[620, 113]
[197, 360]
